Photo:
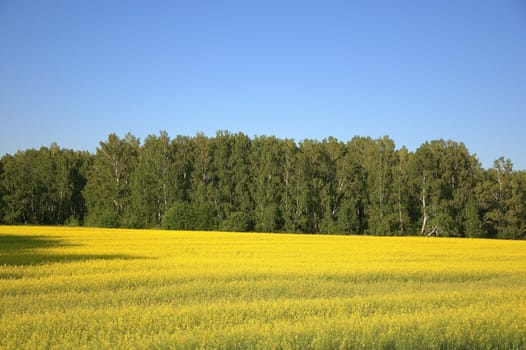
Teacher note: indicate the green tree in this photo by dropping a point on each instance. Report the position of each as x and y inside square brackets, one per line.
[308, 187]
[472, 223]
[380, 163]
[180, 216]
[241, 203]
[223, 172]
[505, 195]
[56, 185]
[108, 189]
[40, 186]
[232, 182]
[405, 208]
[353, 183]
[203, 193]
[332, 184]
[2, 205]
[267, 165]
[78, 163]
[18, 188]
[317, 195]
[289, 209]
[152, 182]
[444, 176]
[183, 165]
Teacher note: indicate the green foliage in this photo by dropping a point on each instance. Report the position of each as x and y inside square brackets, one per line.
[151, 183]
[267, 186]
[108, 190]
[472, 222]
[2, 205]
[237, 222]
[42, 186]
[188, 216]
[179, 217]
[232, 182]
[443, 175]
[102, 218]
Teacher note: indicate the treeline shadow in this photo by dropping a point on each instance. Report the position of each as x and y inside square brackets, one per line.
[21, 250]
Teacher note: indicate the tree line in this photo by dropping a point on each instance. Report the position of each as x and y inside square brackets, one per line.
[235, 183]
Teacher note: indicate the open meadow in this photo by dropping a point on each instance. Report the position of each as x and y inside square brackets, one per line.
[115, 288]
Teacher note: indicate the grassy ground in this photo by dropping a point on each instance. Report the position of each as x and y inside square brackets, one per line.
[99, 288]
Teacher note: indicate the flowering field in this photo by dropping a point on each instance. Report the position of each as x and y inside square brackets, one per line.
[101, 288]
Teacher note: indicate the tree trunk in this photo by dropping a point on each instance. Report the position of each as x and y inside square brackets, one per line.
[424, 207]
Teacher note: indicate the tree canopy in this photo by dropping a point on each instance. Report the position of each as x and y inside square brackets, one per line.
[235, 183]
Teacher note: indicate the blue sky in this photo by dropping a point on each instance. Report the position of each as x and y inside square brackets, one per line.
[72, 72]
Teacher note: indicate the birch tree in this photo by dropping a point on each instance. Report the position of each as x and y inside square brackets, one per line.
[107, 191]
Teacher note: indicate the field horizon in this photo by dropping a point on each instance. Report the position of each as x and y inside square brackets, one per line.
[78, 287]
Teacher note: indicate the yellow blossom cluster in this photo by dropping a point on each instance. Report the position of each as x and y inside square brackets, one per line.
[86, 288]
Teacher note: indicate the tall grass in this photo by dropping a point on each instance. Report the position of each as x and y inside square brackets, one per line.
[100, 288]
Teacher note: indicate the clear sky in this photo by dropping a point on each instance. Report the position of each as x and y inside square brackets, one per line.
[72, 72]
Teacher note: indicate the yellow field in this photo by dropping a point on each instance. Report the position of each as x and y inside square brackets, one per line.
[99, 288]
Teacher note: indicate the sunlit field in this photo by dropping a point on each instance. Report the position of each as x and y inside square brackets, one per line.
[99, 288]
